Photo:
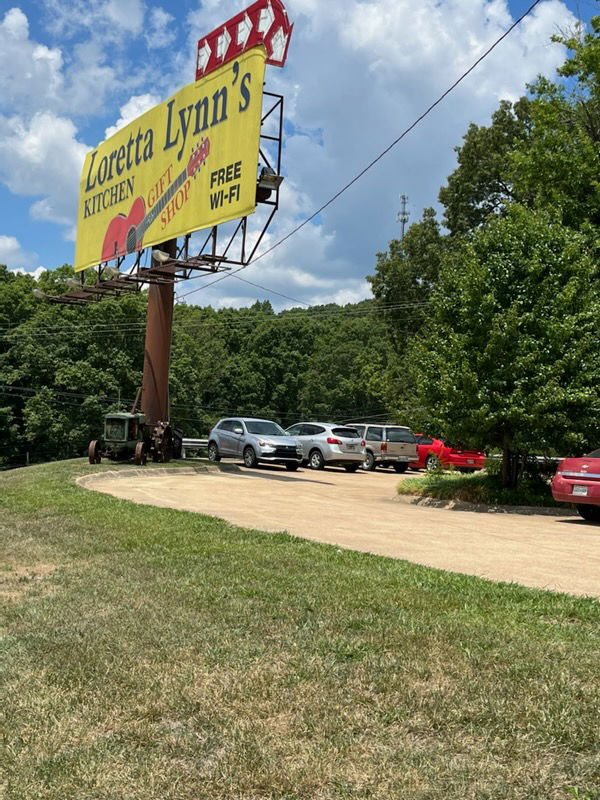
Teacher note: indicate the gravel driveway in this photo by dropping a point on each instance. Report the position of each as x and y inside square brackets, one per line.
[361, 511]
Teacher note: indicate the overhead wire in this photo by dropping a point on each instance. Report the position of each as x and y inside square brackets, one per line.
[378, 158]
[181, 325]
[25, 393]
[312, 311]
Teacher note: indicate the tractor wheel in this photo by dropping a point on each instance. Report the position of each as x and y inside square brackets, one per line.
[94, 452]
[140, 456]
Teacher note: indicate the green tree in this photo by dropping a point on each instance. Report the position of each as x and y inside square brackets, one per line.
[483, 182]
[405, 275]
[509, 358]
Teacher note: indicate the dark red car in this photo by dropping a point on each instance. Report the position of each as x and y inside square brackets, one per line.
[435, 452]
[577, 480]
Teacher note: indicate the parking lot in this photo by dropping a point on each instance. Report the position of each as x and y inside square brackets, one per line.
[361, 511]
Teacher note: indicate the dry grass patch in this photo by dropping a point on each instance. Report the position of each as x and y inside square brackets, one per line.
[18, 578]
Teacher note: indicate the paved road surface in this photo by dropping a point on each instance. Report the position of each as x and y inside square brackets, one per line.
[360, 511]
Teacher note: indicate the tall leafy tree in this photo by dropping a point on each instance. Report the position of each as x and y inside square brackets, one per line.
[509, 358]
[405, 275]
[483, 182]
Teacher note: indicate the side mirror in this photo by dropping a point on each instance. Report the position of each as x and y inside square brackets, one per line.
[239, 431]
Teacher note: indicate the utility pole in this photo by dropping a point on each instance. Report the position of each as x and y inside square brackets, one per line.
[403, 215]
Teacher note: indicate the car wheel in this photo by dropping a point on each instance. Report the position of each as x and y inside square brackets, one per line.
[292, 467]
[369, 462]
[432, 463]
[589, 513]
[213, 452]
[351, 467]
[250, 459]
[316, 460]
[401, 467]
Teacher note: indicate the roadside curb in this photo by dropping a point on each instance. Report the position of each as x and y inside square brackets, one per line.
[157, 472]
[481, 508]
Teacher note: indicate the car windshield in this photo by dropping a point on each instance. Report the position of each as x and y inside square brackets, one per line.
[265, 428]
[593, 454]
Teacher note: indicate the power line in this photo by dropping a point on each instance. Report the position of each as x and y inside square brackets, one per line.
[133, 328]
[312, 311]
[272, 291]
[378, 158]
[27, 393]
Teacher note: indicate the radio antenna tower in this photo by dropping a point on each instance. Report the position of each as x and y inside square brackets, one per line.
[403, 215]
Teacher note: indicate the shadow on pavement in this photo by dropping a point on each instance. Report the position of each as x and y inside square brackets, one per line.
[275, 473]
[579, 522]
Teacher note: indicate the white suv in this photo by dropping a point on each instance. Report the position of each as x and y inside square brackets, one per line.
[329, 444]
[254, 440]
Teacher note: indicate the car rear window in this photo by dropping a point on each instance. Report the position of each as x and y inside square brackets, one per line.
[349, 433]
[423, 439]
[593, 454]
[400, 435]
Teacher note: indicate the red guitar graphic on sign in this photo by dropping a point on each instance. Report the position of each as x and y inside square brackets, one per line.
[125, 233]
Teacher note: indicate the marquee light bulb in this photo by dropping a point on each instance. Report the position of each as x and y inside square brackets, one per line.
[244, 30]
[204, 54]
[267, 18]
[223, 43]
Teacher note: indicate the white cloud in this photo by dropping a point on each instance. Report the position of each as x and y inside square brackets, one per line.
[133, 108]
[114, 19]
[35, 77]
[42, 157]
[358, 73]
[13, 255]
[28, 70]
[162, 28]
[34, 273]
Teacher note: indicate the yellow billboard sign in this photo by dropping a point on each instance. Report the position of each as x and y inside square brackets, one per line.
[188, 163]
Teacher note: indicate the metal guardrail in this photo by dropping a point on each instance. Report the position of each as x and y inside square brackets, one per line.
[192, 444]
[540, 459]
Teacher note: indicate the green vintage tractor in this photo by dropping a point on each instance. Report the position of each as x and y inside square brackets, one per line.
[127, 436]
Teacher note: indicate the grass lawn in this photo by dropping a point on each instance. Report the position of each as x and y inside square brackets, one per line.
[151, 654]
[478, 488]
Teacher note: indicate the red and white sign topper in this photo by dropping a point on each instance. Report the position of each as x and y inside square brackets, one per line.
[264, 22]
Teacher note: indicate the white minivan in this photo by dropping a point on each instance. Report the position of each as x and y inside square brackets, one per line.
[387, 445]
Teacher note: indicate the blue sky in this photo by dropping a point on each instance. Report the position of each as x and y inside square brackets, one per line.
[358, 73]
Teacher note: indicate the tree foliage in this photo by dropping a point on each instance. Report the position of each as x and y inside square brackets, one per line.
[510, 355]
[63, 367]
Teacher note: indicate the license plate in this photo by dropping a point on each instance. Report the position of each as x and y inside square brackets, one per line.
[580, 490]
[470, 460]
[351, 446]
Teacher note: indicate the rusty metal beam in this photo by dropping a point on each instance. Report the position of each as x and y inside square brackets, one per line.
[157, 348]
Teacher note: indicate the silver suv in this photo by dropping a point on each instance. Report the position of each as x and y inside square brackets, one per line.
[254, 440]
[328, 443]
[387, 446]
